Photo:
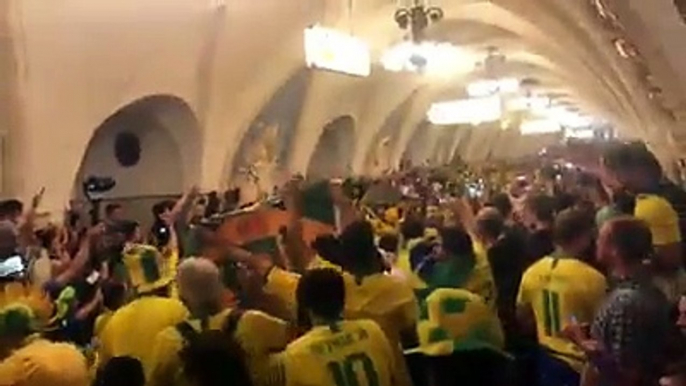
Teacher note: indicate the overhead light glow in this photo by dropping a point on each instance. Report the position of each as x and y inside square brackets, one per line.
[441, 59]
[580, 134]
[536, 104]
[333, 50]
[465, 111]
[486, 87]
[539, 126]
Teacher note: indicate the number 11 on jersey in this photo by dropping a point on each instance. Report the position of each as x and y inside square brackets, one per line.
[345, 372]
[551, 312]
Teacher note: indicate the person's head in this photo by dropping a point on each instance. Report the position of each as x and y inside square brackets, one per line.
[11, 210]
[539, 211]
[9, 241]
[131, 231]
[359, 252]
[624, 242]
[162, 209]
[320, 297]
[121, 371]
[113, 295]
[114, 212]
[200, 286]
[412, 228]
[501, 202]
[329, 248]
[573, 231]
[631, 165]
[490, 225]
[16, 324]
[215, 358]
[455, 243]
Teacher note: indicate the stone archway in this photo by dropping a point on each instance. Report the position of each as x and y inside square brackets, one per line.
[264, 151]
[150, 147]
[333, 155]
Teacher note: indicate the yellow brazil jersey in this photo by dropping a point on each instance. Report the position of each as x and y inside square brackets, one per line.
[258, 334]
[560, 290]
[132, 329]
[481, 280]
[453, 320]
[347, 353]
[661, 218]
[385, 299]
[44, 363]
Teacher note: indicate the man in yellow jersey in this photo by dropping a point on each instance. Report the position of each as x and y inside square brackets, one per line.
[659, 202]
[663, 222]
[370, 292]
[561, 290]
[131, 330]
[333, 351]
[200, 288]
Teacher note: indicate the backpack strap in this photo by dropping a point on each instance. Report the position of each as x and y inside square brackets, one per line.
[187, 332]
[232, 320]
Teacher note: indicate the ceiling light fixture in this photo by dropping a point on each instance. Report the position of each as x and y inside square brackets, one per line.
[486, 87]
[539, 126]
[442, 59]
[417, 18]
[337, 51]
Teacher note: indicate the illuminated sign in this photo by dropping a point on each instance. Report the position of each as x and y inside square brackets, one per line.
[333, 50]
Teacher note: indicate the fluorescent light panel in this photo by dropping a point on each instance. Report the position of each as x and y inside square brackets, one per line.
[333, 50]
[539, 126]
[486, 87]
[465, 111]
[440, 59]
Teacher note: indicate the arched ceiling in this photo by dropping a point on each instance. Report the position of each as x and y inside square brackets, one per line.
[229, 58]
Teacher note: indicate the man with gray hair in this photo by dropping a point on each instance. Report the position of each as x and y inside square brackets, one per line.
[200, 288]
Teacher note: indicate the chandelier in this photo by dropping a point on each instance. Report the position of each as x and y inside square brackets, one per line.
[417, 18]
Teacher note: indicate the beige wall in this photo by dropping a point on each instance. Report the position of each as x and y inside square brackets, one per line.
[68, 65]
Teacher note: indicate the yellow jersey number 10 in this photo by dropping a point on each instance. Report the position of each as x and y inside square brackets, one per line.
[551, 313]
[345, 372]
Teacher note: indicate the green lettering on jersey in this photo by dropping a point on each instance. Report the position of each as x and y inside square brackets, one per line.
[551, 313]
[347, 371]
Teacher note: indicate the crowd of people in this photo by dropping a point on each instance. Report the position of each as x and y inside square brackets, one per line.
[560, 277]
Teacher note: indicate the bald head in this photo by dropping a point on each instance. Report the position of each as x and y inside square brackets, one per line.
[199, 283]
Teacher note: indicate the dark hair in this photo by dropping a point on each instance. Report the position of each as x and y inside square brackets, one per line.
[111, 208]
[128, 228]
[113, 295]
[121, 371]
[329, 248]
[11, 207]
[358, 247]
[456, 241]
[490, 224]
[631, 238]
[501, 202]
[215, 358]
[389, 243]
[631, 155]
[161, 207]
[412, 228]
[542, 206]
[322, 292]
[570, 225]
